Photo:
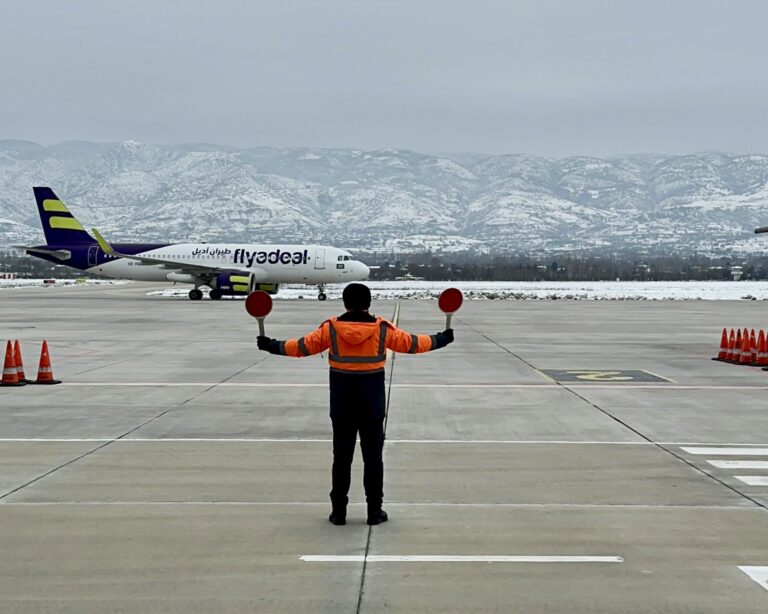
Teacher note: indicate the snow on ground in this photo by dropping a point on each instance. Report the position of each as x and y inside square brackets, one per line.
[520, 290]
[57, 283]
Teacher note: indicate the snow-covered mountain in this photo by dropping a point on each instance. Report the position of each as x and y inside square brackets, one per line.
[392, 199]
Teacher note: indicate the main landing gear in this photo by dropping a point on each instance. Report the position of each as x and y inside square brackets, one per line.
[195, 295]
[215, 294]
[322, 296]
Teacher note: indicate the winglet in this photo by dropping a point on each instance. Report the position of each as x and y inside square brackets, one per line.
[105, 247]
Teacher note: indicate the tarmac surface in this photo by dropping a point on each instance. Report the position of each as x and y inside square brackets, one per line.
[178, 469]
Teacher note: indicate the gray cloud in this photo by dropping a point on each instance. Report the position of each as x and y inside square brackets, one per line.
[552, 78]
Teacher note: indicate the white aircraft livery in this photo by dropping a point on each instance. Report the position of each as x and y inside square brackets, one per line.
[228, 269]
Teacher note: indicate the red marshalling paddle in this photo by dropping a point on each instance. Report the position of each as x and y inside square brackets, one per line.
[258, 305]
[450, 302]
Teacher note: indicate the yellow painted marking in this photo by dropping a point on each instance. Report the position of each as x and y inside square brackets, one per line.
[66, 223]
[54, 205]
[602, 376]
[238, 278]
[105, 247]
[239, 288]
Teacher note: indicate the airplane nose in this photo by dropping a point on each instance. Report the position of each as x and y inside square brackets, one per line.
[364, 270]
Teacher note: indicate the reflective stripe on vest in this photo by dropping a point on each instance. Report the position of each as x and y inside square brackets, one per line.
[414, 344]
[335, 357]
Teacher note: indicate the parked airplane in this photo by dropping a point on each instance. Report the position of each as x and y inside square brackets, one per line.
[227, 268]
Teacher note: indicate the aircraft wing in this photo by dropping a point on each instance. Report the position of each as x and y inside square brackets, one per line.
[59, 254]
[759, 231]
[186, 267]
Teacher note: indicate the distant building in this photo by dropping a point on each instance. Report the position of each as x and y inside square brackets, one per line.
[737, 272]
[8, 275]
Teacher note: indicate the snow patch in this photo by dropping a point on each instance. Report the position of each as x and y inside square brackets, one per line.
[514, 290]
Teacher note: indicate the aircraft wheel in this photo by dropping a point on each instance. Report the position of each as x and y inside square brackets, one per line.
[195, 295]
[321, 296]
[214, 294]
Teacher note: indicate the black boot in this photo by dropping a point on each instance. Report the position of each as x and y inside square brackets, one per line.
[377, 516]
[338, 517]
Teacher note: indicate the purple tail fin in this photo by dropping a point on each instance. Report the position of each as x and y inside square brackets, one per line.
[59, 225]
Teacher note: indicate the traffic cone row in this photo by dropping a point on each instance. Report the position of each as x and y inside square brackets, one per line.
[13, 367]
[744, 347]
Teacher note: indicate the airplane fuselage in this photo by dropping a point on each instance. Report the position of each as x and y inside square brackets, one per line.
[302, 264]
[227, 268]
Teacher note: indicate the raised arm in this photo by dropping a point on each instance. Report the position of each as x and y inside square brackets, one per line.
[399, 340]
[315, 342]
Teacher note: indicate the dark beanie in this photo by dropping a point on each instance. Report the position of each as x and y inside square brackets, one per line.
[357, 297]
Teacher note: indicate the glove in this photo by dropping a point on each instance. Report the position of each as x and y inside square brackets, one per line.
[266, 344]
[444, 338]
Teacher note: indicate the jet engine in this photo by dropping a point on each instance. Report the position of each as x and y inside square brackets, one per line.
[233, 283]
[268, 288]
[238, 283]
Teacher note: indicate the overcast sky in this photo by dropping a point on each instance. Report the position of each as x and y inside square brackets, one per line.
[495, 76]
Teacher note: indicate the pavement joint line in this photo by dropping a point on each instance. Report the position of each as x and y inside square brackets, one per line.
[4, 495]
[626, 425]
[668, 449]
[392, 355]
[442, 558]
[160, 348]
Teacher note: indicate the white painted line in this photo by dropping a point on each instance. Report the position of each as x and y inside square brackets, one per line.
[161, 440]
[758, 574]
[659, 386]
[193, 385]
[731, 451]
[730, 464]
[556, 442]
[753, 480]
[385, 558]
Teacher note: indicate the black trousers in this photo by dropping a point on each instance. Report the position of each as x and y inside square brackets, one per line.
[357, 406]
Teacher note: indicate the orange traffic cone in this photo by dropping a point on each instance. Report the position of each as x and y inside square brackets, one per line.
[731, 346]
[746, 349]
[737, 347]
[723, 353]
[765, 352]
[45, 372]
[762, 350]
[753, 346]
[19, 362]
[10, 375]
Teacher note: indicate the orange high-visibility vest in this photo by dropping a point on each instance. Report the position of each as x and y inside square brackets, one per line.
[359, 347]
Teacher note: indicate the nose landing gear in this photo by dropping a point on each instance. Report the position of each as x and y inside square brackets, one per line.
[321, 296]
